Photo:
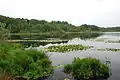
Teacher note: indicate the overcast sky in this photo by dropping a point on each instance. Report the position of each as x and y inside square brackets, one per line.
[97, 12]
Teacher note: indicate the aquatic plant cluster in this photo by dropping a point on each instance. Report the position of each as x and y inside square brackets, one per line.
[29, 64]
[66, 48]
[109, 49]
[36, 43]
[110, 41]
[87, 69]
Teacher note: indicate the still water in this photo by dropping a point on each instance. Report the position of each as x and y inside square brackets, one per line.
[100, 42]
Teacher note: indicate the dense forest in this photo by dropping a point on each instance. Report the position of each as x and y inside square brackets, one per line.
[20, 25]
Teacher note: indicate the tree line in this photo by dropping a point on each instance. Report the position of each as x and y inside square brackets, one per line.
[20, 25]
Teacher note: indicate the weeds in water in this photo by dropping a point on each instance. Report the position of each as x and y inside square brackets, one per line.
[66, 48]
[87, 69]
[109, 49]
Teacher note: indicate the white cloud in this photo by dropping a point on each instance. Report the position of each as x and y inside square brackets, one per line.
[97, 12]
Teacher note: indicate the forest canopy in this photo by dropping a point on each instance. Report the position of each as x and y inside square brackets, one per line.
[20, 25]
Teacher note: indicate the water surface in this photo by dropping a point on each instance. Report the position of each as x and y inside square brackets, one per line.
[66, 58]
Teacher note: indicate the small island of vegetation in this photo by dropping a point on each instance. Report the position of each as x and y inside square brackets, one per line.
[66, 48]
[87, 69]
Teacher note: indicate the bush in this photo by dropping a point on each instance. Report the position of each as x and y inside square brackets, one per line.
[87, 69]
[29, 64]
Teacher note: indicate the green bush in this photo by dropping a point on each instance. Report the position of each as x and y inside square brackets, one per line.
[87, 69]
[29, 64]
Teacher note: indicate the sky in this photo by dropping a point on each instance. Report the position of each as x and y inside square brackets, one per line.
[103, 13]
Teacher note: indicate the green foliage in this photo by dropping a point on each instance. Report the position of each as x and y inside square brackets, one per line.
[17, 25]
[29, 64]
[66, 48]
[2, 30]
[87, 69]
[111, 29]
[86, 27]
[68, 68]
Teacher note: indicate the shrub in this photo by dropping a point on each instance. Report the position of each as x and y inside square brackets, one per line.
[18, 62]
[87, 69]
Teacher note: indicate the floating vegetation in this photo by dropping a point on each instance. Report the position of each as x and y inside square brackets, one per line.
[36, 40]
[110, 41]
[101, 39]
[106, 40]
[66, 48]
[108, 49]
[36, 43]
[87, 69]
[58, 66]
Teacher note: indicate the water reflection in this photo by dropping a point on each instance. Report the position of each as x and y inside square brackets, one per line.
[66, 58]
[83, 36]
[62, 36]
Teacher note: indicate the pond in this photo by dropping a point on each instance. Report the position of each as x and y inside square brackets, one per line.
[105, 40]
[101, 42]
